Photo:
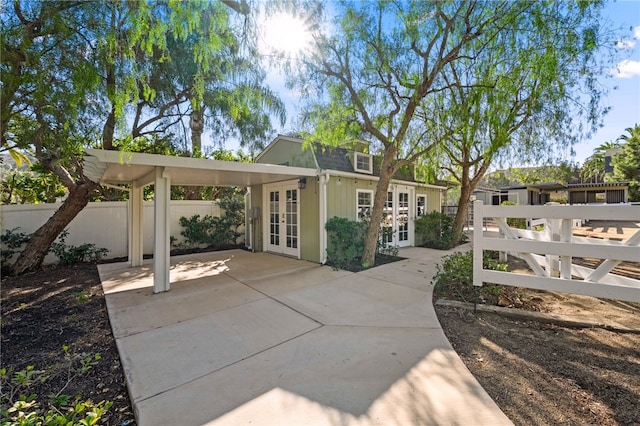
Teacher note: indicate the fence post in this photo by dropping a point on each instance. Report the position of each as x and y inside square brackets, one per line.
[478, 215]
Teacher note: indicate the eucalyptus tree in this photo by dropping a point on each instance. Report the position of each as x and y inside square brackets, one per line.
[79, 74]
[384, 67]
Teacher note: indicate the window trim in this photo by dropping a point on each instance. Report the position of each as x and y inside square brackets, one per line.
[369, 157]
[363, 191]
[418, 196]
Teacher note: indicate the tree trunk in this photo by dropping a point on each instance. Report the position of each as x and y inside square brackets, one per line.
[196, 123]
[33, 254]
[371, 241]
[461, 214]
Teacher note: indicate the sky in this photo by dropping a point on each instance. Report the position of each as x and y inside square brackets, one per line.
[622, 81]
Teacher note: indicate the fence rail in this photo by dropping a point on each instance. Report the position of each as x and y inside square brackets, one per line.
[549, 252]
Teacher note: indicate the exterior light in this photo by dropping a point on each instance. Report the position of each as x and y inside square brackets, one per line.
[302, 183]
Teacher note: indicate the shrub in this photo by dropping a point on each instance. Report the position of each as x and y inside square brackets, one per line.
[454, 277]
[12, 241]
[84, 253]
[346, 241]
[216, 232]
[435, 229]
[515, 222]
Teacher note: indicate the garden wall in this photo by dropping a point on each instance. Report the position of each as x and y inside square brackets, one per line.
[103, 224]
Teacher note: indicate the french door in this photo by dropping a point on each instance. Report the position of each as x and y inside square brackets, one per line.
[283, 230]
[397, 217]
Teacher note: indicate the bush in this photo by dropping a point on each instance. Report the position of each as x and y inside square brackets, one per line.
[435, 229]
[12, 241]
[515, 222]
[84, 253]
[454, 277]
[215, 232]
[347, 240]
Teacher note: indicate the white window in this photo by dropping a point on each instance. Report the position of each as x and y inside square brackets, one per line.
[364, 203]
[362, 162]
[421, 205]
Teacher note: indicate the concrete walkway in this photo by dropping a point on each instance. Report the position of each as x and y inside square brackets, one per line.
[254, 338]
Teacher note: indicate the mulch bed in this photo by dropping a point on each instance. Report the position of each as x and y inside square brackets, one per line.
[46, 310]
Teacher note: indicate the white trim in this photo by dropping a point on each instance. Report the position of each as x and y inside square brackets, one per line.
[324, 180]
[369, 157]
[366, 191]
[361, 176]
[281, 187]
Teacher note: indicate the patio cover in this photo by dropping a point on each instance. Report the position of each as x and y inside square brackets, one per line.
[140, 170]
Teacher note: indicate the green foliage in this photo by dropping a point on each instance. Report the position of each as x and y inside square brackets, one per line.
[12, 241]
[215, 232]
[30, 186]
[435, 229]
[346, 242]
[454, 277]
[627, 164]
[20, 407]
[515, 222]
[84, 253]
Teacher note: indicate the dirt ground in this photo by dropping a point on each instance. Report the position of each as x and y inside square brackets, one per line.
[45, 310]
[543, 373]
[538, 373]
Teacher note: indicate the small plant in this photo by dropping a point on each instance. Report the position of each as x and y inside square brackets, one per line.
[346, 241]
[12, 241]
[435, 229]
[19, 407]
[454, 277]
[84, 253]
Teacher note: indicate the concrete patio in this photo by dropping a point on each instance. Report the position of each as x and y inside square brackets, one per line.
[254, 338]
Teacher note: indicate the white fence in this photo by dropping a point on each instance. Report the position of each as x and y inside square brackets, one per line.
[103, 224]
[549, 252]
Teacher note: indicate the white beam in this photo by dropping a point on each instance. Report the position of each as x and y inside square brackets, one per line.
[161, 253]
[145, 180]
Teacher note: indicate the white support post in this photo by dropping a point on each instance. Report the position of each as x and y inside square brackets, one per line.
[136, 226]
[161, 252]
[477, 243]
[566, 229]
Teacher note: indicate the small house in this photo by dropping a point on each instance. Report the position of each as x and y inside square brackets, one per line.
[288, 217]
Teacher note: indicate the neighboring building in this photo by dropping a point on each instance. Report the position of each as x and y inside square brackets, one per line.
[289, 216]
[574, 193]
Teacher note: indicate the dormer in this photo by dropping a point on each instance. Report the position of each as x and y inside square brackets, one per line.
[358, 153]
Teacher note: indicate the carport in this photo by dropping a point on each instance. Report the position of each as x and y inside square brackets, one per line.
[139, 170]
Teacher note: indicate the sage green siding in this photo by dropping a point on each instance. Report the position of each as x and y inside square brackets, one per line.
[341, 196]
[433, 198]
[310, 221]
[290, 153]
[256, 201]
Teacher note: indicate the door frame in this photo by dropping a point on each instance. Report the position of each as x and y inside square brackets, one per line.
[396, 189]
[282, 187]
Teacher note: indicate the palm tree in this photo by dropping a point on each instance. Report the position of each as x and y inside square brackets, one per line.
[593, 167]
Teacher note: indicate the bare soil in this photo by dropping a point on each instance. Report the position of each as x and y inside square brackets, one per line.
[544, 373]
[538, 373]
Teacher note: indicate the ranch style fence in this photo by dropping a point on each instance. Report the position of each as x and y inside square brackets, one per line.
[549, 252]
[103, 223]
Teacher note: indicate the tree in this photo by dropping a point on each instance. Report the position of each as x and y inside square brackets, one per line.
[520, 97]
[627, 164]
[387, 65]
[593, 168]
[81, 74]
